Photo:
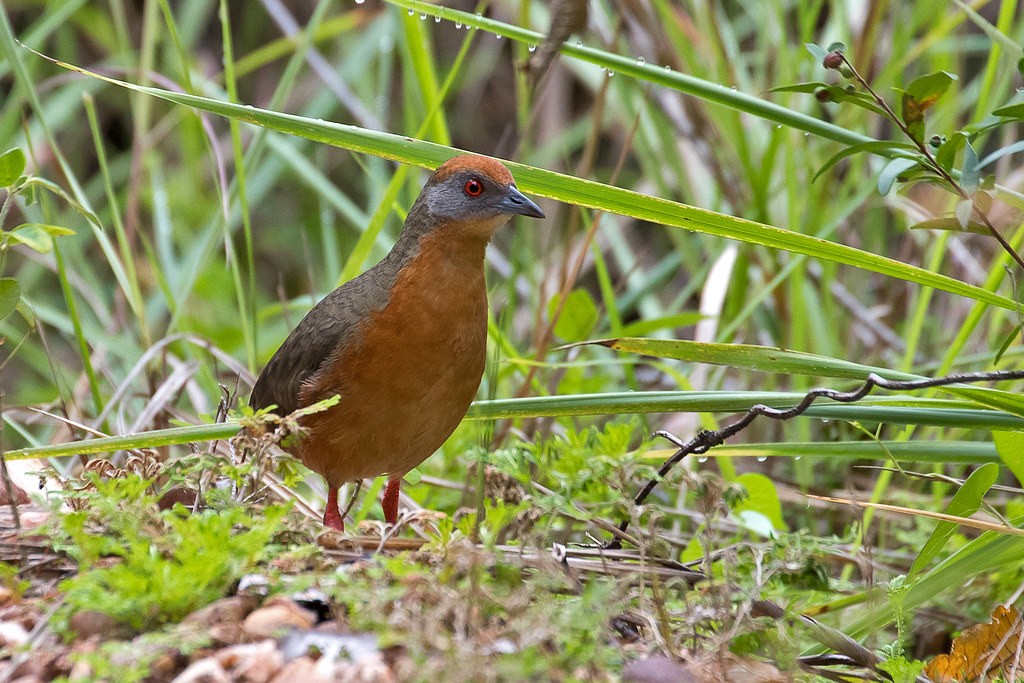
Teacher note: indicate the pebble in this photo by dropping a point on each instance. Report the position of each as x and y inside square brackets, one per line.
[251, 663]
[278, 616]
[204, 671]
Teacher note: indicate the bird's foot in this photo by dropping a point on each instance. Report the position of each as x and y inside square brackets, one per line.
[332, 517]
[389, 503]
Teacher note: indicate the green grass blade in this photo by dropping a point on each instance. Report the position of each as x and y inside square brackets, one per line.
[575, 191]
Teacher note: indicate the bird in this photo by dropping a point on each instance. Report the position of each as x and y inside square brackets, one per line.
[403, 345]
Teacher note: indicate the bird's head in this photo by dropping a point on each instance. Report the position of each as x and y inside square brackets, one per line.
[477, 191]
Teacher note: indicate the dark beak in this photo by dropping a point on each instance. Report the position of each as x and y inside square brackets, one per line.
[515, 202]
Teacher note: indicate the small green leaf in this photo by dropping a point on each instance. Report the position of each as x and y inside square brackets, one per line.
[826, 92]
[969, 175]
[881, 147]
[12, 165]
[953, 224]
[927, 90]
[1013, 111]
[913, 116]
[891, 171]
[819, 53]
[10, 294]
[919, 96]
[578, 317]
[837, 46]
[946, 154]
[965, 503]
[902, 670]
[810, 87]
[1010, 446]
[38, 236]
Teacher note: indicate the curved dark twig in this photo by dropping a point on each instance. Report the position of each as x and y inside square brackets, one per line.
[705, 439]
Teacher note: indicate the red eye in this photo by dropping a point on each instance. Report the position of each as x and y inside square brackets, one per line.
[473, 187]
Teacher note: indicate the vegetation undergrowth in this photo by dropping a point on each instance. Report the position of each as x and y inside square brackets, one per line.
[745, 201]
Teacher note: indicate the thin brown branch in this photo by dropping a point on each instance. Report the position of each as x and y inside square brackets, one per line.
[705, 439]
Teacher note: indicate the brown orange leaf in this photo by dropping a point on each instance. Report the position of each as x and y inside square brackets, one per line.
[982, 649]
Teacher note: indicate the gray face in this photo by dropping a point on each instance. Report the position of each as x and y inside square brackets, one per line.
[469, 195]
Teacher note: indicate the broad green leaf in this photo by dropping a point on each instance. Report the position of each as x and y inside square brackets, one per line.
[965, 503]
[578, 317]
[762, 498]
[1010, 446]
[926, 90]
[38, 236]
[10, 294]
[919, 96]
[891, 171]
[755, 522]
[12, 165]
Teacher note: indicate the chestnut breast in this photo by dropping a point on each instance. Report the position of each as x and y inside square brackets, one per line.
[410, 371]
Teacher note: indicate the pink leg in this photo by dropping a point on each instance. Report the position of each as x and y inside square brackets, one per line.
[332, 516]
[390, 501]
